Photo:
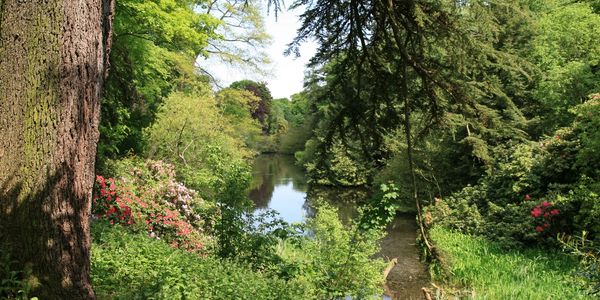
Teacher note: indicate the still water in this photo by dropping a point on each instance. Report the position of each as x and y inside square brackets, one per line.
[280, 185]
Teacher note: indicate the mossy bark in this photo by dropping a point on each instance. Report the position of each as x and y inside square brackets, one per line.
[52, 66]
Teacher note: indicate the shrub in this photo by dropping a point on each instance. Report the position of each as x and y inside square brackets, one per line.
[337, 261]
[203, 137]
[132, 266]
[456, 215]
[148, 197]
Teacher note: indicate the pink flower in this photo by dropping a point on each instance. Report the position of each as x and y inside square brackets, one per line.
[546, 204]
[527, 197]
[554, 212]
[536, 212]
[539, 228]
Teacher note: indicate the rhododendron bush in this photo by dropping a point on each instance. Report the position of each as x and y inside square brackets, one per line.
[146, 196]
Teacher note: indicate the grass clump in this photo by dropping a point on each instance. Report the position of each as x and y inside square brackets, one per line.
[489, 271]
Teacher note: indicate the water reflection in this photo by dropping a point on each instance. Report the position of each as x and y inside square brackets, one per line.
[280, 185]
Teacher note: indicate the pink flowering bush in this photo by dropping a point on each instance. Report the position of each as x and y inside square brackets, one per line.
[147, 196]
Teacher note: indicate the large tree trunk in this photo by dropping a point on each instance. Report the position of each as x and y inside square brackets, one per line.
[52, 66]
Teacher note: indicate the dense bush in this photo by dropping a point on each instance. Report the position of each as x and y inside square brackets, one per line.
[534, 190]
[341, 165]
[337, 261]
[329, 261]
[132, 266]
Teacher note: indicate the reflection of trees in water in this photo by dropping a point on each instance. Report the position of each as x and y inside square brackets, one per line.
[346, 200]
[262, 194]
[269, 170]
[272, 169]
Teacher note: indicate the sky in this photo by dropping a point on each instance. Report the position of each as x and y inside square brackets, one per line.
[286, 73]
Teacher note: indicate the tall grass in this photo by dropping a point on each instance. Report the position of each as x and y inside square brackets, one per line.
[488, 271]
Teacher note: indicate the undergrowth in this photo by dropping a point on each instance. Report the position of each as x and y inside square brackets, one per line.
[133, 266]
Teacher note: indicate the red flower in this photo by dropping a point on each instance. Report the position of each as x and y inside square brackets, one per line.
[554, 212]
[111, 210]
[527, 197]
[546, 204]
[536, 212]
[539, 228]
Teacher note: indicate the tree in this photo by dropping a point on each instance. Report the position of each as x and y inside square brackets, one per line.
[260, 90]
[204, 136]
[568, 53]
[155, 45]
[396, 62]
[242, 37]
[53, 61]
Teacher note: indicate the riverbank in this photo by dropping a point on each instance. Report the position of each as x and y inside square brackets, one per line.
[474, 267]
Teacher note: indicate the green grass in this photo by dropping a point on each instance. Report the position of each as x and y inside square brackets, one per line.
[133, 266]
[491, 272]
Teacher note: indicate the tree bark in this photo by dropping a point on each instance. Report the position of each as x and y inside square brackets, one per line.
[53, 61]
